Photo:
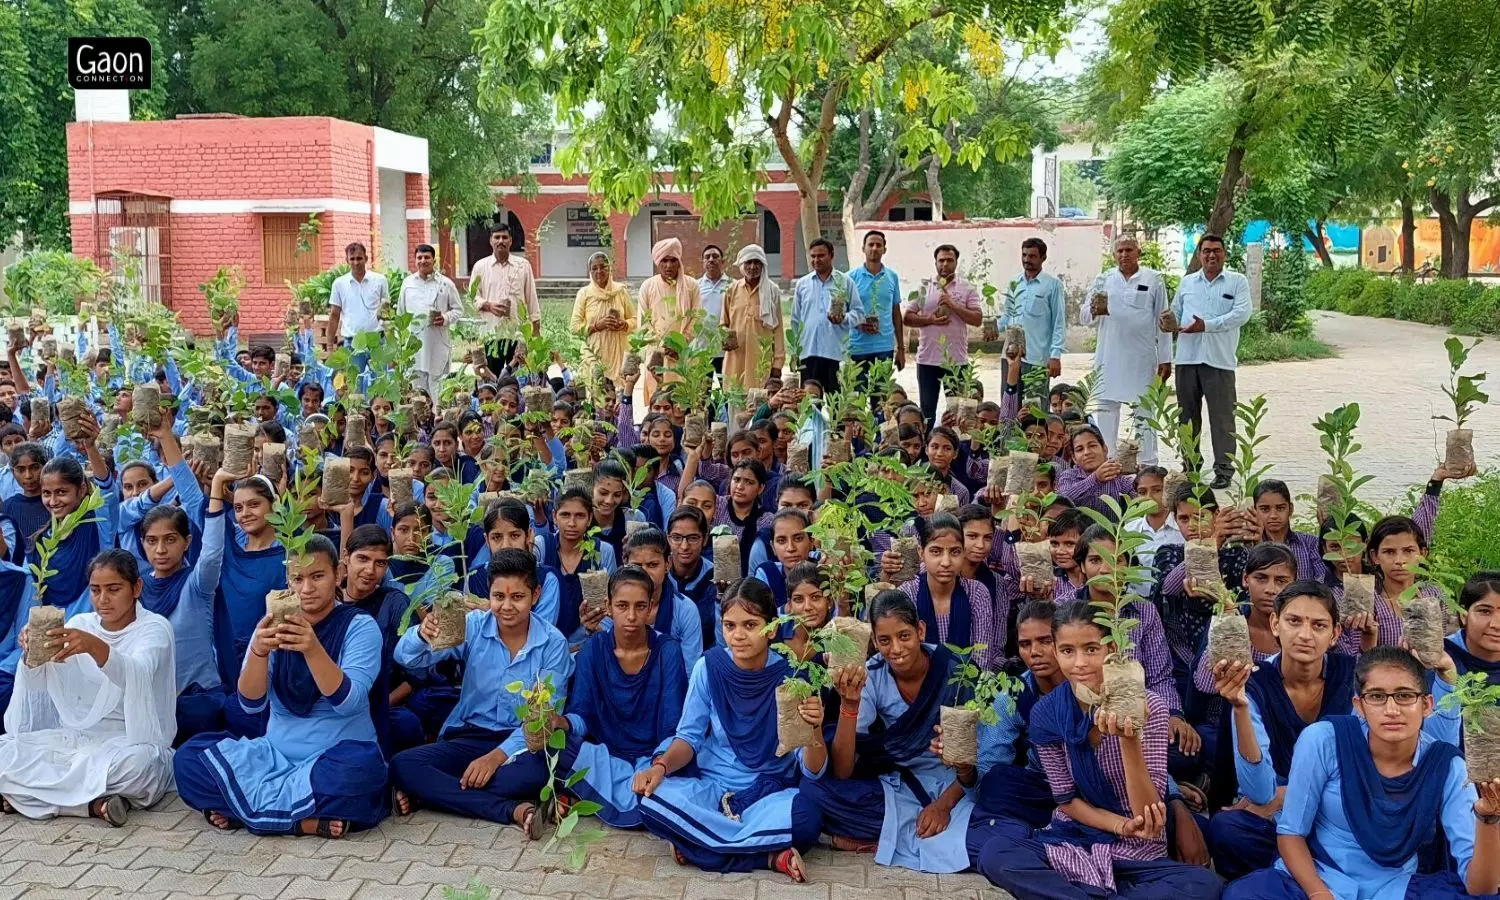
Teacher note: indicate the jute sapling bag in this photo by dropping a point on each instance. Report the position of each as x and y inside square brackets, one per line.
[401, 485]
[72, 411]
[281, 604]
[273, 462]
[39, 648]
[1229, 639]
[1482, 742]
[1123, 693]
[858, 634]
[1358, 597]
[1128, 454]
[1422, 625]
[1021, 477]
[595, 585]
[726, 559]
[145, 406]
[1036, 562]
[335, 489]
[451, 615]
[960, 735]
[239, 447]
[1202, 559]
[798, 457]
[906, 548]
[792, 731]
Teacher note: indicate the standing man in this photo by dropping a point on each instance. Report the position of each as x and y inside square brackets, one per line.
[1132, 351]
[943, 315]
[825, 337]
[1038, 308]
[356, 302]
[711, 286]
[432, 297]
[505, 284]
[670, 304]
[1212, 303]
[880, 335]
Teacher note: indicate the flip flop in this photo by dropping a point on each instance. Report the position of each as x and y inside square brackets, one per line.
[397, 797]
[325, 828]
[531, 823]
[229, 824]
[113, 810]
[789, 863]
[853, 845]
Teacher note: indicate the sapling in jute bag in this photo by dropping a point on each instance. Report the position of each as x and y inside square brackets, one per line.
[978, 691]
[145, 408]
[488, 497]
[946, 503]
[960, 735]
[631, 367]
[16, 335]
[335, 490]
[634, 525]
[281, 604]
[1479, 703]
[906, 548]
[1422, 622]
[798, 457]
[1099, 303]
[889, 432]
[595, 584]
[205, 449]
[998, 476]
[839, 450]
[1202, 559]
[693, 427]
[1021, 477]
[39, 648]
[1228, 632]
[950, 406]
[718, 438]
[577, 478]
[873, 589]
[1358, 597]
[1171, 485]
[1124, 690]
[451, 612]
[239, 446]
[968, 414]
[1464, 393]
[755, 398]
[49, 347]
[401, 485]
[537, 398]
[1015, 340]
[726, 558]
[791, 730]
[273, 462]
[1036, 562]
[854, 649]
[1460, 451]
[41, 411]
[1168, 321]
[1128, 455]
[72, 412]
[354, 433]
[792, 380]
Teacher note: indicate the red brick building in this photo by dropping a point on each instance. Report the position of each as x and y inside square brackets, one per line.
[189, 195]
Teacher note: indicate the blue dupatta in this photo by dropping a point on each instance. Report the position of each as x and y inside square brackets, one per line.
[629, 714]
[909, 736]
[1279, 715]
[745, 703]
[1391, 818]
[292, 680]
[1467, 662]
[70, 565]
[161, 595]
[959, 613]
[1058, 718]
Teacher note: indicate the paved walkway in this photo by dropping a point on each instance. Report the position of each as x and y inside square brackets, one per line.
[1394, 370]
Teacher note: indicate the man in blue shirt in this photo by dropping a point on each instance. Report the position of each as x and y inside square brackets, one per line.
[1036, 304]
[880, 335]
[1211, 305]
[825, 337]
[711, 285]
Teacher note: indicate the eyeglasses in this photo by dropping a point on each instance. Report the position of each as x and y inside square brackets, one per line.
[685, 538]
[1380, 698]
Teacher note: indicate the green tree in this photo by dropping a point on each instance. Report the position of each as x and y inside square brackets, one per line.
[36, 105]
[736, 80]
[406, 65]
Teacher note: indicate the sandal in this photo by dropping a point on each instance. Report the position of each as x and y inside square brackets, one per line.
[113, 810]
[678, 857]
[789, 863]
[853, 845]
[325, 828]
[402, 804]
[531, 821]
[5, 808]
[229, 824]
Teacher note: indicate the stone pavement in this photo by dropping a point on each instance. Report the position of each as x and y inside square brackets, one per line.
[1394, 370]
[170, 853]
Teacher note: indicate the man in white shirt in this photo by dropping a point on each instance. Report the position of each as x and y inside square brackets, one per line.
[1132, 350]
[711, 286]
[1212, 303]
[505, 283]
[433, 298]
[356, 302]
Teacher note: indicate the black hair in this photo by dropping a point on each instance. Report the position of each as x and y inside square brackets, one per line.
[139, 464]
[1088, 429]
[908, 432]
[643, 453]
[363, 454]
[66, 468]
[1210, 238]
[1183, 493]
[708, 247]
[872, 233]
[446, 427]
[425, 450]
[820, 242]
[1036, 242]
[350, 248]
[974, 512]
[1077, 612]
[1394, 657]
[1268, 554]
[894, 604]
[766, 425]
[122, 562]
[700, 483]
[1306, 587]
[514, 563]
[754, 467]
[1092, 535]
[1272, 486]
[265, 352]
[648, 538]
[611, 468]
[791, 512]
[274, 431]
[1390, 526]
[948, 434]
[29, 449]
[692, 513]
[934, 525]
[1037, 610]
[365, 537]
[1479, 586]
[1069, 520]
[320, 545]
[804, 572]
[257, 483]
[582, 495]
[794, 483]
[308, 385]
[753, 596]
[1060, 389]
[423, 514]
[629, 574]
[511, 510]
[742, 436]
[942, 247]
[172, 515]
[1147, 471]
[425, 248]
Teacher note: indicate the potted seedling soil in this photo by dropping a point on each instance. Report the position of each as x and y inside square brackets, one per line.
[354, 432]
[41, 412]
[16, 335]
[997, 478]
[239, 446]
[205, 449]
[594, 582]
[272, 462]
[889, 432]
[281, 604]
[873, 589]
[726, 557]
[1479, 703]
[72, 411]
[577, 478]
[1021, 477]
[1099, 302]
[145, 410]
[450, 610]
[1036, 564]
[755, 398]
[975, 692]
[1123, 691]
[1202, 559]
[693, 428]
[718, 438]
[1228, 631]
[401, 485]
[905, 547]
[39, 648]
[1128, 455]
[1358, 597]
[631, 367]
[537, 398]
[808, 679]
[838, 450]
[335, 491]
[946, 503]
[798, 457]
[854, 649]
[1464, 393]
[1168, 321]
[1423, 623]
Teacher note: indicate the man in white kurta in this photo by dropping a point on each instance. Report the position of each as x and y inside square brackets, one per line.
[77, 731]
[1132, 351]
[433, 298]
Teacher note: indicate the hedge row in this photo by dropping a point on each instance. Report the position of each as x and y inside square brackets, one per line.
[1464, 306]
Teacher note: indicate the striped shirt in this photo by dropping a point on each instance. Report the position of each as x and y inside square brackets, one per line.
[982, 625]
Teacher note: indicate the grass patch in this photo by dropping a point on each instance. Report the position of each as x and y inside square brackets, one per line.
[1264, 348]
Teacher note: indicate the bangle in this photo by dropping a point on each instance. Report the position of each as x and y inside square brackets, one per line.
[845, 713]
[1488, 820]
[261, 655]
[1317, 893]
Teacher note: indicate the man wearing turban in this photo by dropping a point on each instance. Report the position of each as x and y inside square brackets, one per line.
[668, 303]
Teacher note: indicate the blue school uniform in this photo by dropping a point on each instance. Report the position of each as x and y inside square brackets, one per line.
[704, 594]
[678, 619]
[484, 719]
[67, 588]
[246, 576]
[186, 599]
[1364, 830]
[546, 602]
[30, 517]
[729, 721]
[617, 721]
[570, 589]
[319, 757]
[887, 808]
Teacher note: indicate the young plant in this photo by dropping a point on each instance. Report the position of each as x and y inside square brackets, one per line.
[541, 705]
[1471, 695]
[1462, 390]
[1248, 440]
[1124, 571]
[61, 529]
[765, 352]
[809, 677]
[221, 293]
[1086, 394]
[1162, 414]
[1336, 436]
[794, 346]
[982, 687]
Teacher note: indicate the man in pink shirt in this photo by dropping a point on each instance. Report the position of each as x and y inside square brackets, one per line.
[505, 284]
[950, 306]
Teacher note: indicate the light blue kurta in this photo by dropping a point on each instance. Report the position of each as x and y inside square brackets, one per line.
[269, 779]
[1314, 806]
[945, 852]
[193, 619]
[693, 805]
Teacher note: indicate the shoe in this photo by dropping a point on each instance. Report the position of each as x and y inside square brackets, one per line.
[1220, 482]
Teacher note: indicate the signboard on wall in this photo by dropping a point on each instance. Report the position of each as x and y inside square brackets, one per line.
[584, 228]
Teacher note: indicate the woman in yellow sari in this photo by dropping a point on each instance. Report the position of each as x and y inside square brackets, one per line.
[604, 314]
[752, 316]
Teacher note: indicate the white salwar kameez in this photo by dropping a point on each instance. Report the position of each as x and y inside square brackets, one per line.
[76, 732]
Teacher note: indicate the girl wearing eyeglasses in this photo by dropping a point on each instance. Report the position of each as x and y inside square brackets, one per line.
[1366, 794]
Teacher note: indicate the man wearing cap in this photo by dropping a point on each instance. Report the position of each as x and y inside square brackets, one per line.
[668, 303]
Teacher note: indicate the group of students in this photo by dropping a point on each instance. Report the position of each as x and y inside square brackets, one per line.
[1329, 768]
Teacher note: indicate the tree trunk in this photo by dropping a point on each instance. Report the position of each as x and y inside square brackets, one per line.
[934, 171]
[1317, 236]
[1408, 234]
[1222, 215]
[1447, 226]
[1464, 227]
[808, 219]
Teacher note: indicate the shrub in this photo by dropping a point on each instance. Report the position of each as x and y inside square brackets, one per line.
[1374, 300]
[1321, 286]
[1349, 287]
[1454, 295]
[1463, 538]
[1283, 300]
[1479, 313]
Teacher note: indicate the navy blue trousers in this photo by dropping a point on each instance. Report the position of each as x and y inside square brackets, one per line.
[1241, 842]
[1019, 865]
[850, 807]
[807, 824]
[431, 704]
[430, 775]
[342, 783]
[1274, 884]
[216, 710]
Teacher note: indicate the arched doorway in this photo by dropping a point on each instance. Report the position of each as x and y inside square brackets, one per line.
[477, 237]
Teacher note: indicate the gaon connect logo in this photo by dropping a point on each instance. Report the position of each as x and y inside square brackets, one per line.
[109, 63]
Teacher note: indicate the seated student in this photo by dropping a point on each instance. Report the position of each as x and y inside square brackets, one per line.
[625, 703]
[955, 610]
[570, 551]
[1064, 533]
[254, 564]
[611, 497]
[503, 644]
[1273, 518]
[648, 550]
[1366, 792]
[24, 509]
[792, 493]
[446, 453]
[507, 525]
[916, 813]
[1396, 543]
[728, 729]
[911, 441]
[690, 575]
[791, 543]
[658, 433]
[656, 501]
[1476, 646]
[182, 592]
[741, 508]
[366, 561]
[1270, 706]
[1184, 616]
[942, 450]
[365, 486]
[1107, 837]
[1094, 474]
[89, 733]
[318, 768]
[1159, 525]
